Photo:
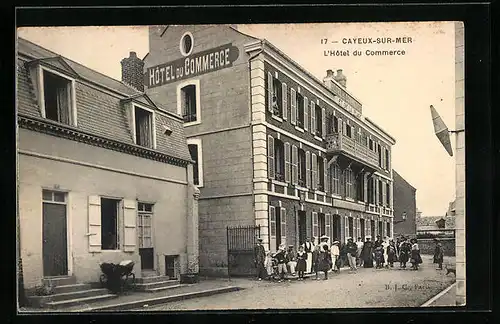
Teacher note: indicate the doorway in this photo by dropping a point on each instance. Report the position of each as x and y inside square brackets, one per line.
[362, 226]
[145, 233]
[372, 229]
[380, 230]
[302, 227]
[170, 266]
[336, 228]
[55, 234]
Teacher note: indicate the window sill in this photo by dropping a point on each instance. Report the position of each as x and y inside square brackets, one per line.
[192, 123]
[278, 118]
[110, 251]
[299, 129]
[280, 183]
[318, 138]
[349, 199]
[319, 192]
[336, 196]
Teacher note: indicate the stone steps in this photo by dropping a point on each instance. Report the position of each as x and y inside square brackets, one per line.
[80, 301]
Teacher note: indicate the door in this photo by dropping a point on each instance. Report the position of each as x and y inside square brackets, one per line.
[145, 224]
[170, 266]
[380, 229]
[372, 228]
[351, 228]
[302, 227]
[321, 224]
[55, 248]
[362, 226]
[336, 228]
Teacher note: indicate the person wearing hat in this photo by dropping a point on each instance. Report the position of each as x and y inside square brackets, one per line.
[352, 250]
[359, 244]
[260, 257]
[404, 252]
[292, 260]
[282, 261]
[391, 254]
[438, 255]
[335, 253]
[308, 249]
[415, 254]
[367, 253]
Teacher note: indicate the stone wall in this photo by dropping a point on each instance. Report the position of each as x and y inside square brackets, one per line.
[427, 246]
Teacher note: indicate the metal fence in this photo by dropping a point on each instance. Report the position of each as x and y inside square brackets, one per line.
[241, 241]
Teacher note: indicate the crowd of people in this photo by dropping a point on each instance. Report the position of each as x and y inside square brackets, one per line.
[323, 257]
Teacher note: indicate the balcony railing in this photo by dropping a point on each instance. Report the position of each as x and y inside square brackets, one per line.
[339, 143]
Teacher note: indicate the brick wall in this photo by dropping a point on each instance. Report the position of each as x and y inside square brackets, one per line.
[404, 201]
[132, 68]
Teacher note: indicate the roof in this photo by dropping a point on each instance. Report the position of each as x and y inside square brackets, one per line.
[395, 173]
[99, 112]
[35, 51]
[430, 222]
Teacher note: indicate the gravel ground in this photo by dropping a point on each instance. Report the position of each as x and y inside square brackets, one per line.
[367, 288]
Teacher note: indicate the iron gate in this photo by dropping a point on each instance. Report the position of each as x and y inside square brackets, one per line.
[241, 241]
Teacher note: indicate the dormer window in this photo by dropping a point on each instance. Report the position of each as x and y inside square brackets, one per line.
[143, 127]
[56, 95]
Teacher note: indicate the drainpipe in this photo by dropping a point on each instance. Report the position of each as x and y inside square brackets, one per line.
[251, 130]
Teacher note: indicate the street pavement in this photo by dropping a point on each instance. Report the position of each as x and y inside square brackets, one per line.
[365, 288]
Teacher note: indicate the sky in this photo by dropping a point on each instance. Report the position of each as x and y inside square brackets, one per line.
[396, 91]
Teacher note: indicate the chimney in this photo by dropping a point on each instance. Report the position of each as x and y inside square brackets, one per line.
[328, 79]
[133, 71]
[341, 78]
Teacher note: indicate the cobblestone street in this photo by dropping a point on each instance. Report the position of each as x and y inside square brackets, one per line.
[366, 288]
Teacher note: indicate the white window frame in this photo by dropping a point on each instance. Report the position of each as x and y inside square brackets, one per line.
[196, 83]
[153, 123]
[41, 93]
[120, 229]
[198, 143]
[140, 227]
[181, 45]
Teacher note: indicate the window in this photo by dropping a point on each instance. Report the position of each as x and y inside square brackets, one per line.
[279, 151]
[302, 168]
[300, 111]
[145, 224]
[371, 191]
[348, 183]
[188, 102]
[143, 127]
[277, 98]
[370, 144]
[319, 121]
[380, 193]
[335, 172]
[350, 232]
[387, 159]
[335, 124]
[360, 188]
[388, 229]
[388, 194]
[348, 129]
[195, 149]
[321, 175]
[58, 102]
[109, 224]
[321, 224]
[186, 44]
[379, 150]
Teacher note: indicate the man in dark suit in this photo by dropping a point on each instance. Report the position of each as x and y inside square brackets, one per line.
[260, 256]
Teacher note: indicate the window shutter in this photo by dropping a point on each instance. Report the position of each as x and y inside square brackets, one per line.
[306, 117]
[359, 227]
[328, 227]
[326, 182]
[270, 157]
[283, 225]
[323, 123]
[308, 169]
[313, 118]
[295, 154]
[354, 228]
[293, 106]
[346, 234]
[314, 175]
[270, 92]
[384, 194]
[129, 225]
[344, 128]
[94, 230]
[315, 224]
[284, 95]
[287, 163]
[272, 228]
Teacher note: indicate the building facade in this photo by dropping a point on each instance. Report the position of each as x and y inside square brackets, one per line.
[274, 146]
[104, 174]
[404, 204]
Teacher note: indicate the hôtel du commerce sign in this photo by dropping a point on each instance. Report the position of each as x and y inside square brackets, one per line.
[199, 63]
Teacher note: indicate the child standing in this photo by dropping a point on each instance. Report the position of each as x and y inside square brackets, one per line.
[268, 264]
[301, 262]
[379, 257]
[415, 255]
[315, 260]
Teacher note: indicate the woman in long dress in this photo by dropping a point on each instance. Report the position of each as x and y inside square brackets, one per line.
[415, 255]
[367, 253]
[301, 262]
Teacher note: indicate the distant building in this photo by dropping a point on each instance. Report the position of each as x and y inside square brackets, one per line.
[404, 203]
